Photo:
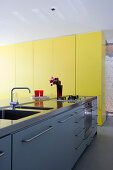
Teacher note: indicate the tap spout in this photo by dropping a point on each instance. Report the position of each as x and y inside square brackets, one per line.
[14, 88]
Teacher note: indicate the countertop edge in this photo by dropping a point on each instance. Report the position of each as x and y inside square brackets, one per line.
[11, 129]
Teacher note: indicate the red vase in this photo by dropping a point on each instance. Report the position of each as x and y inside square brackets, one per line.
[59, 91]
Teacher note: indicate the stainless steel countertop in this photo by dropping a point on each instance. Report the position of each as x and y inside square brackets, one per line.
[11, 126]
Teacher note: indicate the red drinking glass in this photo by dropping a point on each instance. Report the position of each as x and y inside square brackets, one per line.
[41, 92]
[36, 93]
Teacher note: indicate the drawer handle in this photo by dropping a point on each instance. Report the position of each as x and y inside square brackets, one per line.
[1, 154]
[34, 137]
[79, 145]
[80, 119]
[80, 133]
[80, 110]
[62, 121]
[78, 113]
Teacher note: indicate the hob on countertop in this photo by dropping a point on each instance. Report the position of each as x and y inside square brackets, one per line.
[71, 98]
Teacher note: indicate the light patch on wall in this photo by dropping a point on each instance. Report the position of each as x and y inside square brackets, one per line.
[20, 17]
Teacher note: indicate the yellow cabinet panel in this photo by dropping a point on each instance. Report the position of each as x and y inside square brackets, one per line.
[7, 70]
[90, 69]
[64, 62]
[43, 66]
[88, 64]
[24, 67]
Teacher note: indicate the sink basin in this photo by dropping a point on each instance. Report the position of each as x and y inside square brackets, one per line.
[15, 114]
[36, 108]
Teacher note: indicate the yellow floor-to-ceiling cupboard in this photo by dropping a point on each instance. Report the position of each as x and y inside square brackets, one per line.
[90, 69]
[77, 60]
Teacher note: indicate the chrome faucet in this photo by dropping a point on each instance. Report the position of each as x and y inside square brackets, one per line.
[13, 104]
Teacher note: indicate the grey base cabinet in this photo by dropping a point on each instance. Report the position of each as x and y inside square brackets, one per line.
[33, 148]
[48, 145]
[53, 144]
[5, 153]
[64, 141]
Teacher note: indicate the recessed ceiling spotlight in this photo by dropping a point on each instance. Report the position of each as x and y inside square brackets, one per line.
[53, 9]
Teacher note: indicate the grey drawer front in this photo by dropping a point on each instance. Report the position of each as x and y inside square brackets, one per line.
[70, 115]
[33, 147]
[79, 116]
[79, 121]
[76, 112]
[63, 118]
[77, 109]
[5, 153]
[78, 125]
[79, 137]
[79, 150]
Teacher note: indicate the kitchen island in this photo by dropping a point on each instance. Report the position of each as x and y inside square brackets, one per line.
[49, 139]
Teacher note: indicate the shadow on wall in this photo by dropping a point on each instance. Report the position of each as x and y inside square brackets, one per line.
[109, 78]
[109, 50]
[109, 54]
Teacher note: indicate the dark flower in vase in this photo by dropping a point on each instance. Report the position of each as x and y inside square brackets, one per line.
[54, 81]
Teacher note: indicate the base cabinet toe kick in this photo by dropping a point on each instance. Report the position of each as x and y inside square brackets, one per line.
[55, 143]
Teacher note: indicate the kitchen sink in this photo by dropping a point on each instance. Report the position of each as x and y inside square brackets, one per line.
[36, 108]
[15, 114]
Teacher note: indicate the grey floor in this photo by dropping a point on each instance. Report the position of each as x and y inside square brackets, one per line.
[99, 155]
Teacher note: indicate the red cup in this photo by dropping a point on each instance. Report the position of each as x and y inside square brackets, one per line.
[36, 93]
[41, 92]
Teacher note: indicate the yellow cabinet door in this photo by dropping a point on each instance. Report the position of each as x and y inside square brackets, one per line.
[89, 69]
[88, 64]
[64, 62]
[43, 66]
[24, 67]
[7, 70]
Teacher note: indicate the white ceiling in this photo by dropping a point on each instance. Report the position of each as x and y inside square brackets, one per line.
[28, 20]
